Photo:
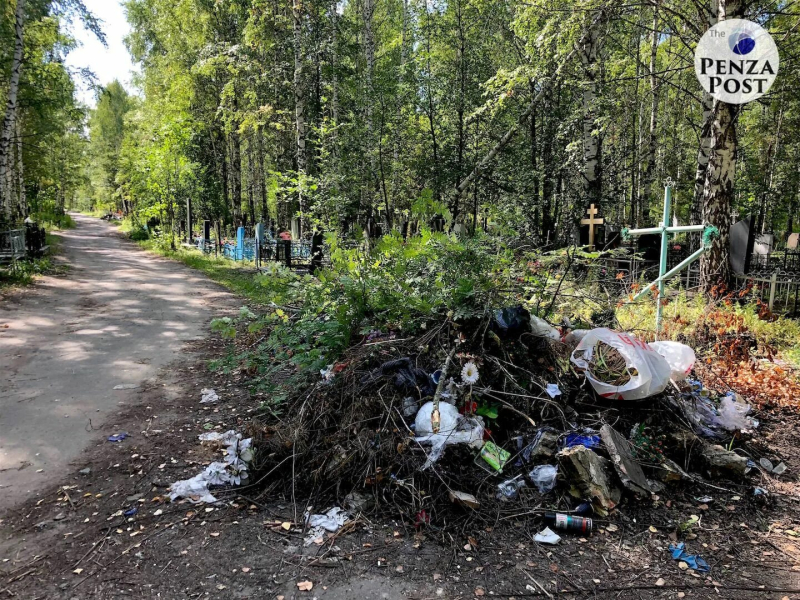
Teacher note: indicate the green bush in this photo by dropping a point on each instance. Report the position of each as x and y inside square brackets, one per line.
[138, 233]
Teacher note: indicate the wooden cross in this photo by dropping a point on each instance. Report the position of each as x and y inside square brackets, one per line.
[591, 222]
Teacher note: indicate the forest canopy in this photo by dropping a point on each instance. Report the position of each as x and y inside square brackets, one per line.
[517, 114]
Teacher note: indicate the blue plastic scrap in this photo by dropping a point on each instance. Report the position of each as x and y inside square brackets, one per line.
[580, 439]
[131, 511]
[117, 437]
[694, 561]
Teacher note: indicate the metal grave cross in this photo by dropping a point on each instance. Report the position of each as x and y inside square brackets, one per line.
[709, 233]
[591, 222]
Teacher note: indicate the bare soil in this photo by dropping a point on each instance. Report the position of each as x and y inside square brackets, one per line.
[75, 542]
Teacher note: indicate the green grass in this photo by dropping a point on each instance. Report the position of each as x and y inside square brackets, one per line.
[53, 221]
[238, 277]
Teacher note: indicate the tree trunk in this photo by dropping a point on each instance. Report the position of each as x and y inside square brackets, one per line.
[299, 102]
[704, 150]
[261, 176]
[7, 132]
[369, 56]
[718, 195]
[592, 182]
[251, 180]
[23, 201]
[236, 177]
[650, 167]
[720, 179]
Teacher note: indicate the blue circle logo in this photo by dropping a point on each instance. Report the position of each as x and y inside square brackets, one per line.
[742, 43]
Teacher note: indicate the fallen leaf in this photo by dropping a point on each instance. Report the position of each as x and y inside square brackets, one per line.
[660, 582]
[286, 525]
[612, 528]
[214, 534]
[596, 581]
[683, 566]
[479, 592]
[653, 529]
[467, 547]
[399, 568]
[245, 569]
[78, 571]
[304, 586]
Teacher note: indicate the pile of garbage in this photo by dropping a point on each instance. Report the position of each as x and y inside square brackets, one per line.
[516, 412]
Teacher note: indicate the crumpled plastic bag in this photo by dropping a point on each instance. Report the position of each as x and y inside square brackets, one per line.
[733, 411]
[230, 471]
[680, 357]
[195, 490]
[544, 478]
[209, 396]
[408, 378]
[454, 428]
[332, 521]
[652, 370]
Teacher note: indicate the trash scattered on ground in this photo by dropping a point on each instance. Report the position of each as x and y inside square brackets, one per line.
[494, 456]
[331, 521]
[131, 511]
[569, 523]
[464, 499]
[547, 536]
[232, 470]
[118, 437]
[779, 469]
[512, 321]
[621, 367]
[126, 386]
[694, 562]
[679, 357]
[733, 411]
[208, 396]
[454, 428]
[541, 328]
[552, 390]
[509, 490]
[544, 478]
[588, 440]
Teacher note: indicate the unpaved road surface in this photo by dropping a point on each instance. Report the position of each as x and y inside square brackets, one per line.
[115, 320]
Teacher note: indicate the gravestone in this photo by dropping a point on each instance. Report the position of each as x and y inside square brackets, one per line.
[295, 228]
[206, 233]
[738, 235]
[763, 244]
[793, 241]
[460, 230]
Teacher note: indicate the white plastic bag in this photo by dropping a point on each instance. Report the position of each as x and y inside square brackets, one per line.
[652, 370]
[453, 429]
[680, 358]
[542, 328]
[733, 411]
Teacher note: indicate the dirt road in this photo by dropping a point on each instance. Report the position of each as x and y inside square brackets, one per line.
[66, 343]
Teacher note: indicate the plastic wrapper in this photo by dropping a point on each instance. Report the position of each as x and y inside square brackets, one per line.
[544, 478]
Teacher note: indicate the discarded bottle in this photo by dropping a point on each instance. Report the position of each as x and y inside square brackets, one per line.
[567, 522]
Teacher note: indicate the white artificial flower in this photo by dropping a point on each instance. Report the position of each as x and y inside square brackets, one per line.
[469, 374]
